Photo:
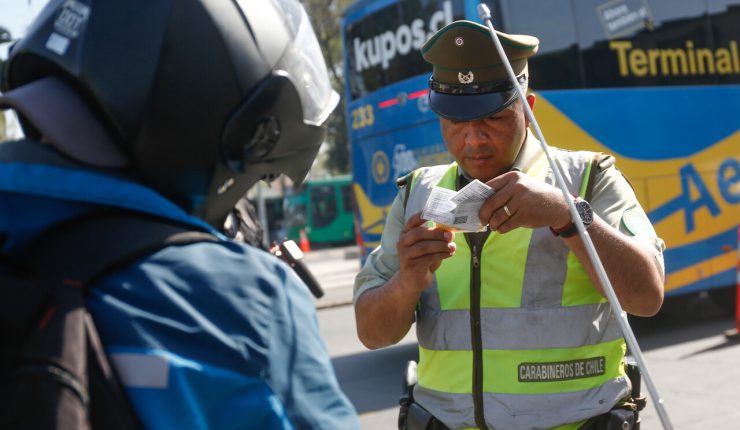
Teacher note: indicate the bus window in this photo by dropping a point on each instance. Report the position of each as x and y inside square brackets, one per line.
[323, 206]
[724, 16]
[643, 43]
[556, 64]
[663, 12]
[314, 208]
[348, 199]
[294, 212]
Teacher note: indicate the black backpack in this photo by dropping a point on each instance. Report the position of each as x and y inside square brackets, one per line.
[53, 370]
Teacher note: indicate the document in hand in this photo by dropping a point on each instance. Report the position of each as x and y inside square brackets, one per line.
[457, 211]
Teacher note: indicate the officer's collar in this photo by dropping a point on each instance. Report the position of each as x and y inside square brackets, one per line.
[528, 153]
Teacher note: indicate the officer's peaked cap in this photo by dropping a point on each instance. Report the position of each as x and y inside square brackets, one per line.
[469, 80]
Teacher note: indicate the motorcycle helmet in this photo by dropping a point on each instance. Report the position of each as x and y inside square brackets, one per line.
[202, 98]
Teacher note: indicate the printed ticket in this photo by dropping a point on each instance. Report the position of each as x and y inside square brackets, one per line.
[458, 211]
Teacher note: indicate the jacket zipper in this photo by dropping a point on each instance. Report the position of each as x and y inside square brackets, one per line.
[475, 331]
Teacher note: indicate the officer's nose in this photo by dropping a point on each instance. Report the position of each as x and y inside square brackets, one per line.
[475, 133]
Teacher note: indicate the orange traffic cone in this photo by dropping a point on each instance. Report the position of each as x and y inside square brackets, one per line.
[304, 244]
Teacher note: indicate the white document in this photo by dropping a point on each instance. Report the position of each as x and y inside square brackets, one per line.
[458, 210]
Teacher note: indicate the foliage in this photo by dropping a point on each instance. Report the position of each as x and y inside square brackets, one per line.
[5, 35]
[2, 126]
[325, 16]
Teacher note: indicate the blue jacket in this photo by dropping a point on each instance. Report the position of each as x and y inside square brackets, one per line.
[206, 335]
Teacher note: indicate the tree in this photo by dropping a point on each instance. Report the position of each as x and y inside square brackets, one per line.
[325, 16]
[2, 126]
[4, 35]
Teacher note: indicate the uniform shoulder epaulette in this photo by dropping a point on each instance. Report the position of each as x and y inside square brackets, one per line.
[599, 163]
[404, 180]
[603, 160]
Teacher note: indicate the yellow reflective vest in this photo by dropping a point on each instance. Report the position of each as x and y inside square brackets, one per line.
[513, 334]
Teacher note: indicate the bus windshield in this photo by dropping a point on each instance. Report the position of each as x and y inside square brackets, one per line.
[323, 211]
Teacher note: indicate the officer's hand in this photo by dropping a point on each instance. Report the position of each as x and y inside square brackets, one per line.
[530, 203]
[421, 250]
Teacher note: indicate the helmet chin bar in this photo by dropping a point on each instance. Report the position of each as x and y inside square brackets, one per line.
[264, 137]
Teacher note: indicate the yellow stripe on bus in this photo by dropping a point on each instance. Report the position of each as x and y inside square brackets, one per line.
[373, 217]
[701, 270]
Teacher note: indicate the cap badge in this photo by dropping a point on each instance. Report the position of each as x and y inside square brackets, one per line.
[466, 78]
[459, 41]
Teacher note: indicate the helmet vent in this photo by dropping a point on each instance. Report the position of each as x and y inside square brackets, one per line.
[228, 183]
[264, 139]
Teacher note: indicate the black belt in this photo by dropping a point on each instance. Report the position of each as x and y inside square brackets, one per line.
[612, 420]
[616, 419]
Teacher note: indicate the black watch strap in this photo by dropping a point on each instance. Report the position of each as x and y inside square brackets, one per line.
[566, 232]
[586, 214]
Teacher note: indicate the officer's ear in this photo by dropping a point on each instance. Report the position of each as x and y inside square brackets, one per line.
[531, 99]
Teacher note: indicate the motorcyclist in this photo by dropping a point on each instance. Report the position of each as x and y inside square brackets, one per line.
[173, 109]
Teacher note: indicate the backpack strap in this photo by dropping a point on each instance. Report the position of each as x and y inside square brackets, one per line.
[81, 250]
[67, 260]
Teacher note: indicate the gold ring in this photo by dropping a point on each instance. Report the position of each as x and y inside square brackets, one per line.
[506, 209]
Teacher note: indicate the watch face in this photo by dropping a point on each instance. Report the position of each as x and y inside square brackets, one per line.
[585, 212]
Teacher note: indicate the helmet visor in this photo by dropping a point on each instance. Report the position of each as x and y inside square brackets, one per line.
[304, 63]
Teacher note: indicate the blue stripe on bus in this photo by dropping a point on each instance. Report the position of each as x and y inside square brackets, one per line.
[722, 279]
[680, 257]
[370, 237]
[646, 123]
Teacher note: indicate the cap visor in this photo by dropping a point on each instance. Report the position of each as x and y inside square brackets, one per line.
[65, 120]
[469, 107]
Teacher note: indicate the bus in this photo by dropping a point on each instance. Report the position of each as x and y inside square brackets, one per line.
[323, 209]
[656, 83]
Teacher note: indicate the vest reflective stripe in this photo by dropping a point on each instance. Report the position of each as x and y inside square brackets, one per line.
[499, 323]
[546, 271]
[541, 320]
[141, 370]
[449, 371]
[456, 410]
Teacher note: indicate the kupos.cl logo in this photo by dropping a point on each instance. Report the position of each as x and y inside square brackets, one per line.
[404, 160]
[383, 48]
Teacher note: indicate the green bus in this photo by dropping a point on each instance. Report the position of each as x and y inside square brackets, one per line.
[324, 210]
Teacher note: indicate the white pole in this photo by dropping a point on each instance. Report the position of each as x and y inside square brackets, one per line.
[485, 15]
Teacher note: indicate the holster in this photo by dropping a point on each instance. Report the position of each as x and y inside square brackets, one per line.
[407, 396]
[417, 418]
[411, 415]
[625, 415]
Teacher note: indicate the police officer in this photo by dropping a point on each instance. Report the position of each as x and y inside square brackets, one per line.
[172, 110]
[513, 327]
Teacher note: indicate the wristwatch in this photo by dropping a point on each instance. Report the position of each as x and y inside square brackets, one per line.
[584, 212]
